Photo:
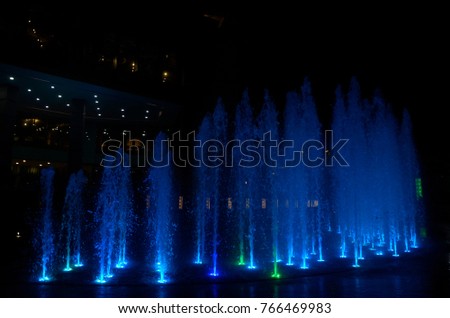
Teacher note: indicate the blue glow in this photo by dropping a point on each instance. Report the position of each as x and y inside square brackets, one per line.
[45, 232]
[250, 217]
[100, 281]
[304, 267]
[114, 217]
[160, 226]
[73, 227]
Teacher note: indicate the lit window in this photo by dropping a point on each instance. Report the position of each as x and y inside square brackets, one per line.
[229, 204]
[208, 203]
[134, 67]
[263, 203]
[180, 202]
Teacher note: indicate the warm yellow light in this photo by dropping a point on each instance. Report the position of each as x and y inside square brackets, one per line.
[180, 202]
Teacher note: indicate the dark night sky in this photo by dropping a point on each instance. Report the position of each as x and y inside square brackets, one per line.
[275, 45]
[399, 50]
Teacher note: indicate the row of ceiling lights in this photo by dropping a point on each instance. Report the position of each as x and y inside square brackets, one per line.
[96, 101]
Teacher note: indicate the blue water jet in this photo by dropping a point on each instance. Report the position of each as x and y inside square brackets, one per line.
[219, 135]
[268, 130]
[161, 227]
[45, 237]
[202, 195]
[244, 182]
[113, 216]
[72, 222]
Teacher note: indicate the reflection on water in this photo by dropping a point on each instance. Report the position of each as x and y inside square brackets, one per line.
[351, 285]
[424, 276]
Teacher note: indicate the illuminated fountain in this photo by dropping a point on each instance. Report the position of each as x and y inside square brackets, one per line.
[267, 122]
[114, 212]
[73, 220]
[45, 234]
[209, 203]
[374, 197]
[244, 181]
[293, 200]
[303, 195]
[202, 199]
[159, 211]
